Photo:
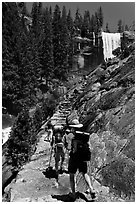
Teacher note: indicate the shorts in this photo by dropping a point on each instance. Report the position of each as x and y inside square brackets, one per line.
[75, 164]
[59, 153]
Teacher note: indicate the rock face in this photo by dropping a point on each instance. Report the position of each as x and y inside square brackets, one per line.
[107, 110]
[105, 104]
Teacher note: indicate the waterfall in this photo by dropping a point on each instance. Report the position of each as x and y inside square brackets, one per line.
[81, 61]
[111, 41]
[93, 38]
[5, 134]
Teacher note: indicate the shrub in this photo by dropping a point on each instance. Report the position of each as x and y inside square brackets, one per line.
[18, 143]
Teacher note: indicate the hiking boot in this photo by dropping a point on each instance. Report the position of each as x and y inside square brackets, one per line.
[73, 196]
[93, 195]
[61, 170]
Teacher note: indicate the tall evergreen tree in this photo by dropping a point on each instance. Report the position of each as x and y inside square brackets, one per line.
[98, 20]
[46, 47]
[57, 41]
[97, 23]
[100, 17]
[20, 64]
[35, 20]
[10, 63]
[92, 23]
[64, 44]
[78, 21]
[107, 28]
[50, 11]
[71, 35]
[126, 27]
[22, 8]
[86, 24]
[36, 15]
[120, 26]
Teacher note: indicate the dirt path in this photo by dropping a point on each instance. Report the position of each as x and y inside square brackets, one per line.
[31, 185]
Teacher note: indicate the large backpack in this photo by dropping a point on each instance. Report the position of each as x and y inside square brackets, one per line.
[81, 146]
[59, 140]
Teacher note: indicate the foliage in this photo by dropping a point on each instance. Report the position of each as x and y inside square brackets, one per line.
[86, 24]
[100, 17]
[37, 118]
[120, 26]
[18, 143]
[78, 20]
[120, 175]
[20, 63]
[70, 26]
[60, 43]
[107, 28]
[111, 99]
[46, 46]
[23, 137]
[37, 46]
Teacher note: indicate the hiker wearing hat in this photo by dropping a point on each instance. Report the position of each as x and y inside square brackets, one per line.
[59, 144]
[79, 156]
[49, 132]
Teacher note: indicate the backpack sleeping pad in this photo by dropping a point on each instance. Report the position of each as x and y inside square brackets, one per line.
[80, 146]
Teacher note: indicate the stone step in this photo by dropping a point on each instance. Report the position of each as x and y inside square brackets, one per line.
[39, 199]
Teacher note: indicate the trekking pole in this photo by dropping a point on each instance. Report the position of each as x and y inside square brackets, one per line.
[50, 156]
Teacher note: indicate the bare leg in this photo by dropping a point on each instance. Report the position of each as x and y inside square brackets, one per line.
[56, 166]
[88, 181]
[62, 161]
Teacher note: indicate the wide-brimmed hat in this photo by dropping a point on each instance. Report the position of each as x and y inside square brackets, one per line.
[75, 123]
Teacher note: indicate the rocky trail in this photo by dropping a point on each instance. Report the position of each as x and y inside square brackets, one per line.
[31, 185]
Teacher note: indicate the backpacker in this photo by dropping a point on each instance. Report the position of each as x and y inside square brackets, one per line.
[59, 139]
[81, 146]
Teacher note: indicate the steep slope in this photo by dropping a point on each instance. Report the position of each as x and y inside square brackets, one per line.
[106, 107]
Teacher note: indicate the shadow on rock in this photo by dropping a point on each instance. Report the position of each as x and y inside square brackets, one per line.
[62, 171]
[50, 173]
[83, 197]
[68, 198]
[65, 198]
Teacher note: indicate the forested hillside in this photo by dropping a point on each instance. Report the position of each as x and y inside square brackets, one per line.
[106, 108]
[38, 51]
[38, 46]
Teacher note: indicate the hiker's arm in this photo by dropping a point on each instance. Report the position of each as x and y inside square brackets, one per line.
[52, 140]
[50, 133]
[65, 142]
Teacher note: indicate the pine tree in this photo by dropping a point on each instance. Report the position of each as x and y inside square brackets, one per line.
[64, 43]
[120, 26]
[50, 11]
[78, 22]
[57, 41]
[71, 35]
[92, 24]
[97, 23]
[126, 27]
[10, 18]
[46, 47]
[20, 63]
[86, 24]
[35, 20]
[18, 143]
[107, 28]
[22, 8]
[100, 17]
